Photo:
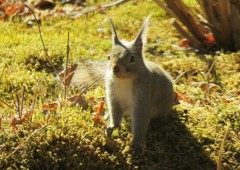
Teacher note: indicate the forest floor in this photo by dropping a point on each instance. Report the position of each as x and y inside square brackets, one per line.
[39, 131]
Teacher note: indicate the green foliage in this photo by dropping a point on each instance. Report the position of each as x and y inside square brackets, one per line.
[190, 139]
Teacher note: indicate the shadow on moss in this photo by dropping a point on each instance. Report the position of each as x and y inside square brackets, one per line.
[170, 145]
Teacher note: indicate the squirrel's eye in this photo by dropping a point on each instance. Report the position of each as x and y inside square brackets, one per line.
[132, 59]
[108, 57]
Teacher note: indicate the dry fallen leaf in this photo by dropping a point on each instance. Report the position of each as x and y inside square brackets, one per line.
[16, 121]
[98, 114]
[51, 106]
[176, 98]
[69, 74]
[10, 10]
[27, 115]
[180, 97]
[100, 109]
[209, 88]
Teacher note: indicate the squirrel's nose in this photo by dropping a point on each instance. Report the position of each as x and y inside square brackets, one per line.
[116, 69]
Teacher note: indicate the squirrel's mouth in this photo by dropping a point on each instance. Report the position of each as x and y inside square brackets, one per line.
[118, 75]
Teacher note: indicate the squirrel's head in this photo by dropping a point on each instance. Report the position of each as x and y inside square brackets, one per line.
[126, 58]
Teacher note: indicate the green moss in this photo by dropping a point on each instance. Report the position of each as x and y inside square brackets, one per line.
[191, 139]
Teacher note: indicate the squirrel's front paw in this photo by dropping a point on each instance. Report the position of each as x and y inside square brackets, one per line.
[109, 131]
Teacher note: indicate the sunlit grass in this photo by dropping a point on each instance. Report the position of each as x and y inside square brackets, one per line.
[191, 140]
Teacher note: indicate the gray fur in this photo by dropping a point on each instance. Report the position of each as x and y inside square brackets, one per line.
[134, 86]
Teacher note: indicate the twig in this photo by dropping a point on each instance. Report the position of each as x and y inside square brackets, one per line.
[67, 58]
[22, 102]
[178, 77]
[86, 88]
[2, 72]
[34, 99]
[219, 162]
[196, 70]
[7, 104]
[40, 33]
[28, 138]
[18, 107]
[33, 105]
[94, 8]
[211, 66]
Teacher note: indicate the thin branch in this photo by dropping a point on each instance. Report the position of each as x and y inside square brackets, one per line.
[179, 76]
[22, 102]
[33, 105]
[18, 107]
[28, 138]
[85, 89]
[40, 33]
[14, 102]
[95, 8]
[2, 72]
[219, 162]
[7, 104]
[211, 67]
[34, 99]
[67, 58]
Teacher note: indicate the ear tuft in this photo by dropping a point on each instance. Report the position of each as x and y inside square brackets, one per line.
[141, 38]
[115, 39]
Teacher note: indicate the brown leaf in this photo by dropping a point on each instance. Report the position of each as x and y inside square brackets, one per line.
[100, 108]
[10, 10]
[209, 87]
[97, 116]
[51, 106]
[204, 87]
[69, 75]
[180, 97]
[97, 119]
[176, 98]
[16, 121]
[28, 115]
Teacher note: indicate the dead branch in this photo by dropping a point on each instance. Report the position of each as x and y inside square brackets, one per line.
[65, 75]
[40, 33]
[96, 8]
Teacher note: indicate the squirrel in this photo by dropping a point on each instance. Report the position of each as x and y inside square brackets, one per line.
[135, 86]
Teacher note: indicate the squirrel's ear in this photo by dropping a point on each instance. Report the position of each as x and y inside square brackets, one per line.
[141, 38]
[115, 39]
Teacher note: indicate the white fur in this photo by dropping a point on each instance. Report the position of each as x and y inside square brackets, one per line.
[127, 43]
[123, 90]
